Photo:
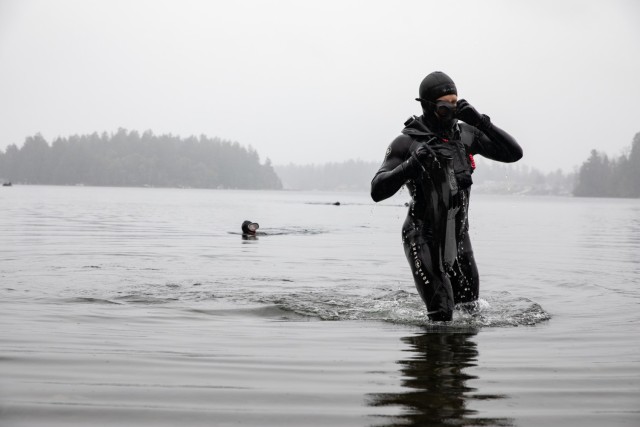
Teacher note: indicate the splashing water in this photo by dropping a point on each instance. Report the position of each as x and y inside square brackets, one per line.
[498, 309]
[495, 309]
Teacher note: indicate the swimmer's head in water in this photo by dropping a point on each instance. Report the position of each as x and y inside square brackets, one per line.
[249, 227]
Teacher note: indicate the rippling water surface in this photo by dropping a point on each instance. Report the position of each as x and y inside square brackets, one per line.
[131, 306]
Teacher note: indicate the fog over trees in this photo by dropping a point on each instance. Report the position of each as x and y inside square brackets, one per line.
[129, 159]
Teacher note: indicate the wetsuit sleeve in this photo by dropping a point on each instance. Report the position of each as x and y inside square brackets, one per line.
[393, 173]
[494, 143]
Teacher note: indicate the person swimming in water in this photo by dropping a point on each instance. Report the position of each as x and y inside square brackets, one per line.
[433, 157]
[249, 228]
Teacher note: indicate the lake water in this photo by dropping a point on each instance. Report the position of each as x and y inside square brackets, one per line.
[145, 307]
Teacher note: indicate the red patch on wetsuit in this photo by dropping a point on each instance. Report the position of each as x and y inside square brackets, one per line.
[473, 162]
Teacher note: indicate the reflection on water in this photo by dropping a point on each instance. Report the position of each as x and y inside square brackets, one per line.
[434, 374]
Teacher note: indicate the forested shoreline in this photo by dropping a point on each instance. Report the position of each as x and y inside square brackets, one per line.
[127, 158]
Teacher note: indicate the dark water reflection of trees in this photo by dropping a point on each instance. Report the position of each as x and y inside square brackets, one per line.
[437, 392]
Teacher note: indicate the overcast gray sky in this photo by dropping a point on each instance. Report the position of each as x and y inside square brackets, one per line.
[317, 81]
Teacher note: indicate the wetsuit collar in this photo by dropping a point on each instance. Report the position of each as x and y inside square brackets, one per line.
[416, 126]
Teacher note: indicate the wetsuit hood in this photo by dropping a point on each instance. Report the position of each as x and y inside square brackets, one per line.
[435, 85]
[249, 227]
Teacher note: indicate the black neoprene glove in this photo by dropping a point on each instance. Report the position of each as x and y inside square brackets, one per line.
[468, 114]
[421, 159]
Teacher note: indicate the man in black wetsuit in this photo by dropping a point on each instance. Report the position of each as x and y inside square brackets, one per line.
[433, 157]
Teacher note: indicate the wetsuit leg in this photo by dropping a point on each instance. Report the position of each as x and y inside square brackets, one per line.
[465, 279]
[431, 282]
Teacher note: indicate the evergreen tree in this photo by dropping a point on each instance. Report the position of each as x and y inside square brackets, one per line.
[632, 172]
[594, 176]
[600, 177]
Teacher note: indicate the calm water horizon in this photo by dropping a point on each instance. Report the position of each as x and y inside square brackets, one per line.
[145, 306]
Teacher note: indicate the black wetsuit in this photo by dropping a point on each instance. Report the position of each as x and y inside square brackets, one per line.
[435, 233]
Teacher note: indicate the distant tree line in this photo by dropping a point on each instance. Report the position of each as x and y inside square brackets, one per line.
[351, 175]
[600, 176]
[490, 177]
[130, 159]
[518, 178]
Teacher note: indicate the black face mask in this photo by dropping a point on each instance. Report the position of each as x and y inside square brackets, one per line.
[440, 116]
[445, 112]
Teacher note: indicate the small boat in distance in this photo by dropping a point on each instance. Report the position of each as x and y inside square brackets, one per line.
[7, 184]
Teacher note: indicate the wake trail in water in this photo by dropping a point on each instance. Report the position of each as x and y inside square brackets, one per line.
[285, 231]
